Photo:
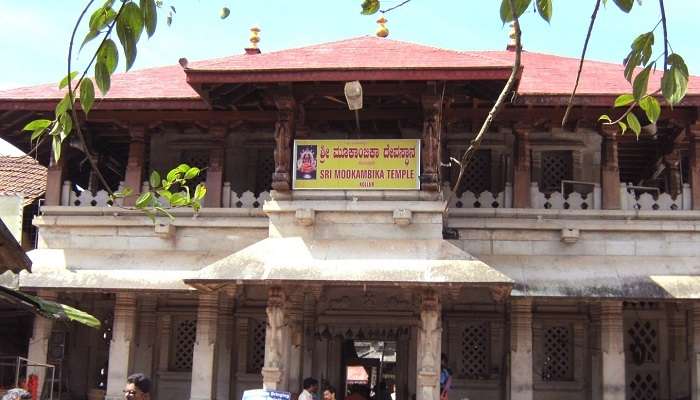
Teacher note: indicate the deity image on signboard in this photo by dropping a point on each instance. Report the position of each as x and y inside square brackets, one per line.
[306, 162]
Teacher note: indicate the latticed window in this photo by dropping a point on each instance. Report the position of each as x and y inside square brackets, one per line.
[475, 351]
[199, 159]
[558, 354]
[556, 166]
[643, 342]
[264, 170]
[256, 346]
[477, 176]
[184, 336]
[643, 386]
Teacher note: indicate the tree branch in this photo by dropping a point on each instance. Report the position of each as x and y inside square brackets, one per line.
[580, 64]
[394, 7]
[476, 142]
[663, 23]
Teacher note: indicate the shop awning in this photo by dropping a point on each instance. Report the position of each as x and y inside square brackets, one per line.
[47, 308]
[294, 259]
[601, 276]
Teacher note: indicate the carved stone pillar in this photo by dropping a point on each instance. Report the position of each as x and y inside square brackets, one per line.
[203, 358]
[54, 180]
[164, 328]
[215, 169]
[295, 308]
[521, 349]
[39, 342]
[310, 301]
[672, 161]
[678, 342]
[120, 347]
[224, 345]
[133, 178]
[430, 155]
[145, 340]
[284, 134]
[609, 167]
[693, 134]
[695, 353]
[429, 348]
[522, 174]
[612, 350]
[596, 354]
[274, 340]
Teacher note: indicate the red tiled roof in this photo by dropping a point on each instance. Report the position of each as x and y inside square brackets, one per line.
[23, 176]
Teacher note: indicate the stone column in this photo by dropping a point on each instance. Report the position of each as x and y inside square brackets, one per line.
[596, 354]
[274, 340]
[224, 344]
[430, 154]
[284, 134]
[521, 349]
[678, 345]
[204, 356]
[54, 180]
[429, 348]
[310, 300]
[145, 340]
[295, 308]
[695, 353]
[609, 167]
[521, 167]
[39, 342]
[693, 135]
[133, 178]
[163, 348]
[612, 350]
[120, 347]
[215, 169]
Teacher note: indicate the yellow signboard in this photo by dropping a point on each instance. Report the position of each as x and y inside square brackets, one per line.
[391, 164]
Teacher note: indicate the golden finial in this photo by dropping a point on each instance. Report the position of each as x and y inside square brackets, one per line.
[254, 37]
[382, 31]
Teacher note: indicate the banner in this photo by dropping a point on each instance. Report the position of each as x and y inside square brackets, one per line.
[391, 164]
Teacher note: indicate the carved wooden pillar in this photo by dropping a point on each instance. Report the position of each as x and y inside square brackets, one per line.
[609, 167]
[672, 161]
[612, 350]
[120, 347]
[274, 367]
[522, 174]
[284, 134]
[430, 155]
[202, 385]
[215, 170]
[521, 349]
[133, 177]
[429, 348]
[693, 134]
[54, 180]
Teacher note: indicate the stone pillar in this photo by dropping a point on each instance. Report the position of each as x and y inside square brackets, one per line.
[215, 169]
[204, 356]
[521, 167]
[284, 134]
[695, 353]
[521, 349]
[39, 342]
[145, 339]
[54, 180]
[310, 300]
[612, 350]
[133, 178]
[609, 167]
[274, 340]
[120, 347]
[596, 369]
[693, 135]
[163, 347]
[295, 308]
[678, 345]
[224, 345]
[430, 154]
[429, 348]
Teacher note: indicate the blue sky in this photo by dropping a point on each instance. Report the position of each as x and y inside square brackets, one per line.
[34, 33]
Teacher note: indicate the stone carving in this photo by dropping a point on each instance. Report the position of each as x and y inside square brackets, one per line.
[275, 328]
[430, 334]
[431, 149]
[284, 133]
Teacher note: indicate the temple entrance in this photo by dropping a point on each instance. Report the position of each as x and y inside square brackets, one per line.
[370, 368]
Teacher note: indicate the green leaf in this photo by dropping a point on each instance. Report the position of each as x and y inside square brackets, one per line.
[178, 200]
[604, 117]
[37, 124]
[63, 105]
[643, 44]
[165, 212]
[99, 20]
[674, 83]
[87, 95]
[102, 77]
[166, 194]
[623, 128]
[66, 123]
[544, 7]
[634, 124]
[108, 55]
[200, 191]
[129, 28]
[150, 16]
[624, 5]
[183, 168]
[651, 107]
[370, 7]
[144, 200]
[173, 174]
[56, 146]
[641, 82]
[623, 100]
[154, 180]
[64, 81]
[90, 35]
[224, 13]
[633, 59]
[520, 7]
[192, 172]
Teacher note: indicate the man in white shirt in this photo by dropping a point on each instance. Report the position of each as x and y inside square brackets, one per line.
[310, 388]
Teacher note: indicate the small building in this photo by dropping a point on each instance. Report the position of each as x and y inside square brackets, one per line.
[564, 266]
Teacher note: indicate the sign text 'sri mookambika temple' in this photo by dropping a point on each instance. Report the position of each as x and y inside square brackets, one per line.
[565, 266]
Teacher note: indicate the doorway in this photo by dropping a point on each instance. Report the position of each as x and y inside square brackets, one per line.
[370, 369]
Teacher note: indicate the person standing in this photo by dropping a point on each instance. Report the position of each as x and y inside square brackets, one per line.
[138, 387]
[329, 393]
[310, 386]
[445, 378]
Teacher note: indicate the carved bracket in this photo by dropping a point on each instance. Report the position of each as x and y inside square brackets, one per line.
[402, 217]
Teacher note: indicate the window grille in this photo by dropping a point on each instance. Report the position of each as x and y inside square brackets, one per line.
[556, 166]
[477, 176]
[185, 333]
[558, 354]
[643, 386]
[264, 170]
[643, 342]
[256, 346]
[475, 351]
